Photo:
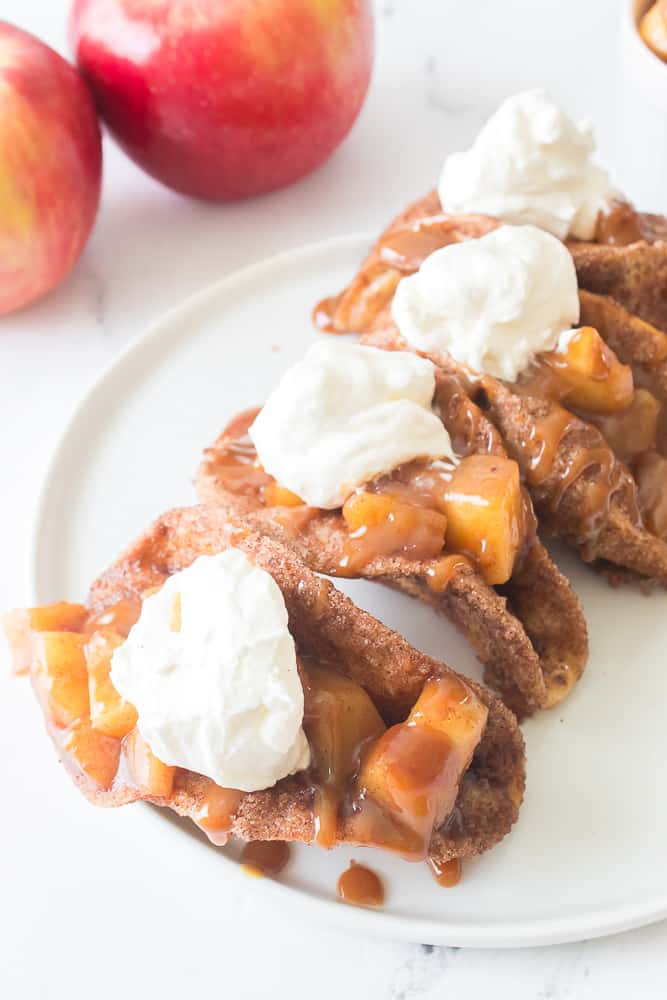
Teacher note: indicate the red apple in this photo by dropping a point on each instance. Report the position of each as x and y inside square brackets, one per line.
[50, 167]
[226, 98]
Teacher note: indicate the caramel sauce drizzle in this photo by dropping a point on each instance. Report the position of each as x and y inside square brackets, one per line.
[265, 857]
[406, 249]
[336, 738]
[361, 886]
[448, 873]
[216, 812]
[538, 455]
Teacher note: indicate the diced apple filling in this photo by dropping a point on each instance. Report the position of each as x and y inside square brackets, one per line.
[594, 378]
[97, 755]
[280, 496]
[382, 524]
[485, 514]
[150, 775]
[339, 718]
[60, 675]
[109, 713]
[20, 626]
[412, 772]
[633, 431]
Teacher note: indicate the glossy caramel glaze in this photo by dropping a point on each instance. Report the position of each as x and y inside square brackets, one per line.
[447, 874]
[409, 776]
[339, 720]
[361, 886]
[216, 812]
[406, 249]
[265, 857]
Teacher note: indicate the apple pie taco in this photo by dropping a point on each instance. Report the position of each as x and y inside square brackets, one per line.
[211, 672]
[378, 466]
[557, 341]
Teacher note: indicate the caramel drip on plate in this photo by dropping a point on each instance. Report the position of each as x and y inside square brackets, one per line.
[361, 886]
[265, 857]
[447, 874]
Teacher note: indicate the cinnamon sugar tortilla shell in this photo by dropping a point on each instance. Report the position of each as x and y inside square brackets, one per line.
[634, 341]
[635, 276]
[326, 625]
[531, 639]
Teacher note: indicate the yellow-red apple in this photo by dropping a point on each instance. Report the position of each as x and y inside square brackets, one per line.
[50, 167]
[226, 98]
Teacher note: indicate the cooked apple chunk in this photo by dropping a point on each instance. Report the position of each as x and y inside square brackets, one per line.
[383, 524]
[151, 776]
[485, 514]
[109, 712]
[20, 626]
[339, 717]
[60, 675]
[593, 377]
[412, 772]
[97, 755]
[633, 431]
[279, 496]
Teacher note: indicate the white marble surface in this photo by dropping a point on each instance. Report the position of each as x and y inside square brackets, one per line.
[442, 64]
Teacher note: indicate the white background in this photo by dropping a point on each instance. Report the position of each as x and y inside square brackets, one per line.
[66, 871]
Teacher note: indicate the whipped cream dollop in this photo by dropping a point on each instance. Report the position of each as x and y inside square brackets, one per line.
[344, 415]
[492, 303]
[211, 668]
[530, 164]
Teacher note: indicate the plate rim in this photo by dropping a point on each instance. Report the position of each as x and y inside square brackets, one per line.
[378, 923]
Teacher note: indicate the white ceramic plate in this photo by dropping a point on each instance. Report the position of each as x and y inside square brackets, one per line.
[588, 854]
